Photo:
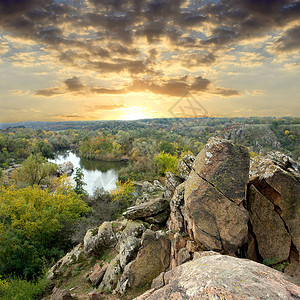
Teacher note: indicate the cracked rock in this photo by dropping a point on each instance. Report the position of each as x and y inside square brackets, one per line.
[214, 193]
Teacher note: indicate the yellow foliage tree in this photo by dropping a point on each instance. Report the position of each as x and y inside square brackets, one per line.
[35, 227]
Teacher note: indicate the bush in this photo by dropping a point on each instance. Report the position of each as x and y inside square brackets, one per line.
[123, 194]
[166, 162]
[19, 289]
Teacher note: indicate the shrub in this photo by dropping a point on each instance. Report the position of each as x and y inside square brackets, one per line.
[166, 162]
[19, 289]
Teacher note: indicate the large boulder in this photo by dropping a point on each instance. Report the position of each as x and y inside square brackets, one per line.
[274, 206]
[95, 241]
[271, 235]
[214, 195]
[146, 209]
[222, 277]
[152, 259]
[133, 228]
[66, 168]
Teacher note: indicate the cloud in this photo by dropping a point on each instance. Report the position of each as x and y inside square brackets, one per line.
[105, 107]
[143, 41]
[173, 87]
[74, 84]
[289, 42]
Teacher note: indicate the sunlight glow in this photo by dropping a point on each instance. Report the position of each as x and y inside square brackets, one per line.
[135, 113]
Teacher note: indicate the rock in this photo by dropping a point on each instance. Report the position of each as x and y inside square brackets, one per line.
[74, 256]
[148, 187]
[272, 237]
[201, 254]
[185, 166]
[146, 209]
[90, 241]
[172, 181]
[95, 242]
[132, 229]
[223, 277]
[177, 242]
[111, 275]
[214, 194]
[273, 202]
[159, 218]
[176, 221]
[158, 282]
[106, 235]
[183, 256]
[128, 249]
[158, 185]
[98, 274]
[152, 259]
[66, 168]
[145, 197]
[59, 294]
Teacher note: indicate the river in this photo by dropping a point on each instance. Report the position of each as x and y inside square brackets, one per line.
[97, 173]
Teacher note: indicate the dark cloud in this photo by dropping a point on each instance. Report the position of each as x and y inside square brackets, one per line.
[290, 41]
[49, 92]
[225, 92]
[173, 87]
[74, 84]
[104, 35]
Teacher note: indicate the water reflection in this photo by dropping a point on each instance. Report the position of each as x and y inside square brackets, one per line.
[97, 174]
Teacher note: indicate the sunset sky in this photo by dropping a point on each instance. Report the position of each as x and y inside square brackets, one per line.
[130, 59]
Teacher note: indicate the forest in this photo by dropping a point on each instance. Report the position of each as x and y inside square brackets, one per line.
[42, 216]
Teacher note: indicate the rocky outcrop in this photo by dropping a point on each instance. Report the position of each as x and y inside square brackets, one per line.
[214, 195]
[211, 210]
[274, 206]
[222, 277]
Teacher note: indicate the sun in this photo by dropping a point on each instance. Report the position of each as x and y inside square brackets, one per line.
[135, 113]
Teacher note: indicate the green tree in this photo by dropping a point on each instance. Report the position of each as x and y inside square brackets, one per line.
[166, 162]
[34, 170]
[35, 228]
[78, 178]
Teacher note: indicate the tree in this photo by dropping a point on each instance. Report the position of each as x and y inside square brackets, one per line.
[78, 178]
[166, 162]
[34, 170]
[35, 228]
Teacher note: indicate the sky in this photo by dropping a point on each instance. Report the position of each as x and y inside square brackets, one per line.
[130, 59]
